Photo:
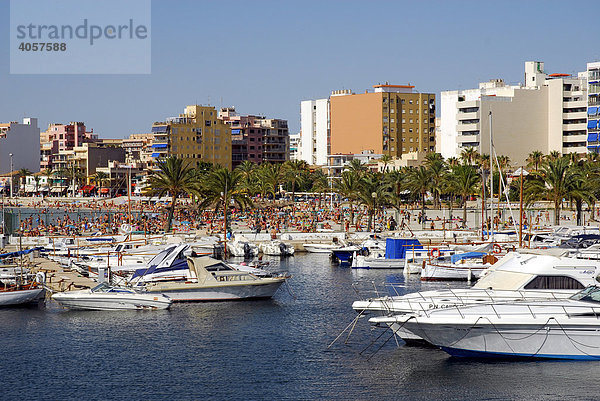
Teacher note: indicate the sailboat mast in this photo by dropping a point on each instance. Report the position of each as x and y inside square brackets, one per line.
[491, 228]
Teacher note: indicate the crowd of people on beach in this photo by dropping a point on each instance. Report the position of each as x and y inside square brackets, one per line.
[101, 216]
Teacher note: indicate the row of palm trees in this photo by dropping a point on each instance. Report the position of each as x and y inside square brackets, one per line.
[450, 182]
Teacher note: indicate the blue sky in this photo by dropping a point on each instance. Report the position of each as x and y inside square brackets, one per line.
[264, 57]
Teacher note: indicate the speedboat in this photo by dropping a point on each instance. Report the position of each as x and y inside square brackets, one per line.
[559, 329]
[208, 279]
[276, 248]
[107, 297]
[241, 248]
[517, 276]
[392, 257]
[457, 267]
[320, 248]
[345, 255]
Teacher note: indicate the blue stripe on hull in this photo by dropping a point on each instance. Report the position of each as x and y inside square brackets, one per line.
[505, 355]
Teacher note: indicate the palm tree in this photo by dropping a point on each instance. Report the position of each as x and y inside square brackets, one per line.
[222, 187]
[175, 178]
[319, 184]
[464, 181]
[348, 186]
[469, 155]
[418, 181]
[434, 162]
[582, 190]
[453, 161]
[373, 193]
[294, 172]
[357, 167]
[100, 178]
[22, 174]
[269, 178]
[248, 177]
[535, 159]
[554, 155]
[556, 180]
[385, 159]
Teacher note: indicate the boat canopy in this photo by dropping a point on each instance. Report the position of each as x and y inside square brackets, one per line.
[466, 255]
[396, 248]
[19, 253]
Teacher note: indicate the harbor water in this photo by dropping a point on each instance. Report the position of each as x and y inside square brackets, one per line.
[259, 350]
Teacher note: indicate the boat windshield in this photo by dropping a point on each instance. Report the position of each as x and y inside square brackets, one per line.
[590, 294]
[102, 287]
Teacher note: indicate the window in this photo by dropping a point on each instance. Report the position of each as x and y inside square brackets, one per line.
[207, 123]
[410, 102]
[410, 130]
[392, 120]
[410, 111]
[404, 149]
[554, 283]
[385, 119]
[410, 121]
[403, 111]
[392, 110]
[411, 149]
[410, 140]
[404, 120]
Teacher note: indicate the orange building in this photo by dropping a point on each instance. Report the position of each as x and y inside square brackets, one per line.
[390, 120]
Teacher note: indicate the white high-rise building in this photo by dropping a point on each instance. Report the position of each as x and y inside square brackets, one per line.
[314, 131]
[547, 113]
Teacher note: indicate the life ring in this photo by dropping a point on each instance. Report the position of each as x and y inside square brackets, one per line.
[435, 253]
[497, 248]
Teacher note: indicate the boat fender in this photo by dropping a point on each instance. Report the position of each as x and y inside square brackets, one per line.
[435, 253]
[497, 248]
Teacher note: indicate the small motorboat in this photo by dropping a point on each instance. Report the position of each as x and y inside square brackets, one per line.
[241, 248]
[107, 297]
[276, 248]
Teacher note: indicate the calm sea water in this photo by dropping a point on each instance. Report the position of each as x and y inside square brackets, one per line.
[260, 350]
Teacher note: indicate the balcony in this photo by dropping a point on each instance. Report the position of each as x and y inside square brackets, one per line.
[574, 138]
[575, 115]
[467, 127]
[468, 116]
[575, 127]
[468, 103]
[575, 103]
[574, 149]
[467, 138]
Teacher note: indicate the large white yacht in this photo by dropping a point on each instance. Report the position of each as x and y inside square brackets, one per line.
[516, 276]
[564, 329]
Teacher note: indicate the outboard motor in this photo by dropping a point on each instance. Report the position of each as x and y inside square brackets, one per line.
[283, 249]
[247, 250]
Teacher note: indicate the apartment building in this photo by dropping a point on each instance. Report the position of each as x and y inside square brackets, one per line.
[593, 107]
[546, 113]
[314, 144]
[390, 120]
[60, 138]
[22, 141]
[138, 148]
[256, 138]
[196, 135]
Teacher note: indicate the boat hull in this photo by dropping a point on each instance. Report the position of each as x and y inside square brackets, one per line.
[447, 273]
[199, 293]
[549, 339]
[20, 297]
[102, 302]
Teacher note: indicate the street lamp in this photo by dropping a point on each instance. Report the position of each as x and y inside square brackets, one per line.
[374, 196]
[11, 175]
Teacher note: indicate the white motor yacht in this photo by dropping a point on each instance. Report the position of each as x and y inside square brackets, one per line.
[208, 279]
[517, 276]
[560, 329]
[107, 297]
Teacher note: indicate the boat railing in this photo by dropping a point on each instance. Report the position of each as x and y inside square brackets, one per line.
[535, 310]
